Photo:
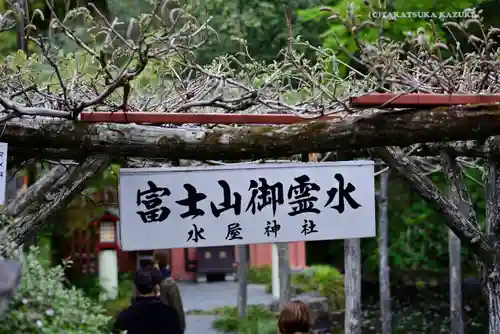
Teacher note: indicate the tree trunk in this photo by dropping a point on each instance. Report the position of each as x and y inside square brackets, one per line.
[352, 285]
[43, 135]
[53, 191]
[383, 240]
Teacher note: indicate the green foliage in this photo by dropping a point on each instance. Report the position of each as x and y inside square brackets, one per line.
[259, 320]
[268, 288]
[89, 284]
[44, 244]
[412, 223]
[418, 239]
[82, 210]
[260, 275]
[257, 26]
[108, 178]
[43, 304]
[9, 43]
[352, 22]
[326, 280]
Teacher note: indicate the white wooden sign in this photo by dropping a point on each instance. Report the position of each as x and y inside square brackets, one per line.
[3, 171]
[249, 204]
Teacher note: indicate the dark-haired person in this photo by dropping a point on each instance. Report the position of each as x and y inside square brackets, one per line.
[294, 318]
[169, 291]
[148, 314]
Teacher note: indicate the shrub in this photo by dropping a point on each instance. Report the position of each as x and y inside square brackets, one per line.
[327, 280]
[43, 304]
[91, 287]
[268, 288]
[89, 284]
[259, 320]
[258, 326]
[260, 275]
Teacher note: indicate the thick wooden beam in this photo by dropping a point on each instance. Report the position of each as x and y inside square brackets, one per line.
[352, 132]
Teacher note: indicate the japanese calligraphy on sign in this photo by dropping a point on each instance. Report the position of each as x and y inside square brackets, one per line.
[219, 206]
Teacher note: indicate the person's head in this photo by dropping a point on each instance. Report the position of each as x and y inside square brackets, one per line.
[294, 318]
[146, 281]
[160, 258]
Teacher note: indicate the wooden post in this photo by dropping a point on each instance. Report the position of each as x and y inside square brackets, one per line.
[284, 273]
[459, 196]
[243, 252]
[275, 272]
[243, 259]
[456, 309]
[383, 240]
[352, 286]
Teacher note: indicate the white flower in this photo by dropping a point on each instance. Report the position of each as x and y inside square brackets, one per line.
[49, 312]
[39, 323]
[25, 301]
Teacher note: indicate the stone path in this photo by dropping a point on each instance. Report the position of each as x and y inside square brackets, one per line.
[207, 296]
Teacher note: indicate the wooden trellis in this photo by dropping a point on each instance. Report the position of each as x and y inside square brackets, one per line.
[352, 248]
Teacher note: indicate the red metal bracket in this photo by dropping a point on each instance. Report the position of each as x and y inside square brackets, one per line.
[414, 100]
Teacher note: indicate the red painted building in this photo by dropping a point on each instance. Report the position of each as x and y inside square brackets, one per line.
[185, 263]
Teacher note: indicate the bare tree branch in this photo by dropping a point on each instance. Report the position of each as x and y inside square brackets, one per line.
[54, 191]
[455, 219]
[459, 194]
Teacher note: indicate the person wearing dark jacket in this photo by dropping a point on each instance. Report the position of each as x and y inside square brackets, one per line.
[169, 290]
[148, 314]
